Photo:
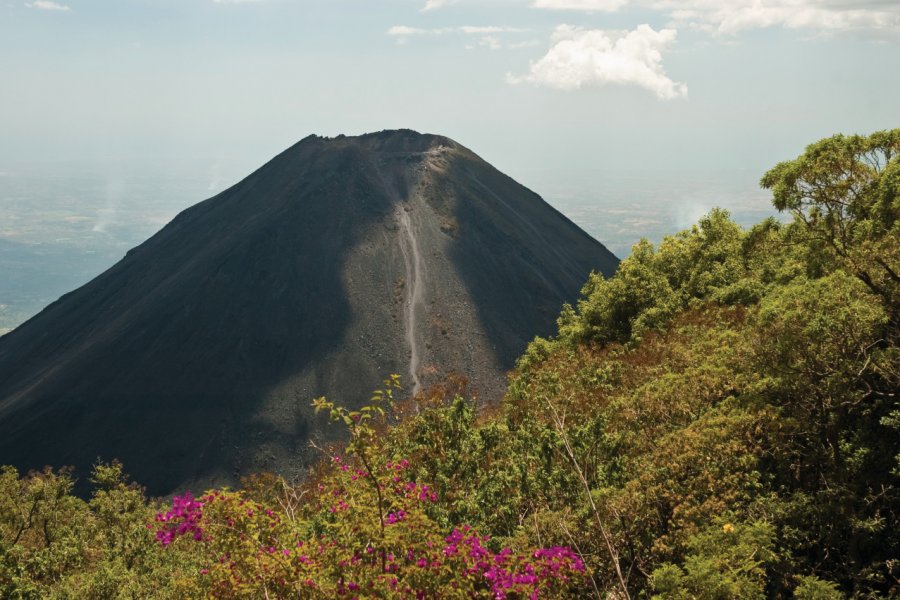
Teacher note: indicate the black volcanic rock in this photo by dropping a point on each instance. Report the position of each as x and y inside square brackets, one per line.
[194, 359]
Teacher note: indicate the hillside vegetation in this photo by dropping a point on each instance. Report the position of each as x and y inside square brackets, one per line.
[718, 420]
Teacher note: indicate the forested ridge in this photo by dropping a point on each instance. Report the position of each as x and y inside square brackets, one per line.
[718, 420]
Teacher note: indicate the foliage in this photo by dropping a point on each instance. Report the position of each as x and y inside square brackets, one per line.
[811, 587]
[724, 561]
[844, 193]
[55, 545]
[337, 549]
[751, 373]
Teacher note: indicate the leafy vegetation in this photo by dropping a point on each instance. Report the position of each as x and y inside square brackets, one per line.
[718, 420]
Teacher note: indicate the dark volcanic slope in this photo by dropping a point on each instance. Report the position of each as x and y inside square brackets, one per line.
[194, 358]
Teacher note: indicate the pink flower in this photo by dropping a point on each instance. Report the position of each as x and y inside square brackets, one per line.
[183, 519]
[396, 517]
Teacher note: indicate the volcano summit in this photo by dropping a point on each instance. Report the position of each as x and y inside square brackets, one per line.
[194, 359]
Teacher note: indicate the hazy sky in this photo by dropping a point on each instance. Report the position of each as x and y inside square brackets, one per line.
[528, 84]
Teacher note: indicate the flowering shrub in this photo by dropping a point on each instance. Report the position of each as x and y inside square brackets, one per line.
[365, 530]
[506, 572]
[183, 518]
[338, 549]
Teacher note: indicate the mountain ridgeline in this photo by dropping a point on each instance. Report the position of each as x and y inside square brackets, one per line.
[195, 358]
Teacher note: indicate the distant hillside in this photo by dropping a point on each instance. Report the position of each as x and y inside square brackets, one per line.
[341, 260]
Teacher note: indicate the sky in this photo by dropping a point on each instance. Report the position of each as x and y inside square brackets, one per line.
[533, 86]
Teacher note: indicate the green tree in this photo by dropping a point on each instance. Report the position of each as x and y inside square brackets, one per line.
[844, 193]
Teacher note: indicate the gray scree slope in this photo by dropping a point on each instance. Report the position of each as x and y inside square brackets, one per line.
[194, 359]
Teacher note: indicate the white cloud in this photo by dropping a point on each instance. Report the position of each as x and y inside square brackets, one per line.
[582, 58]
[489, 41]
[525, 44]
[733, 16]
[404, 31]
[47, 5]
[490, 29]
[435, 4]
[492, 42]
[586, 5]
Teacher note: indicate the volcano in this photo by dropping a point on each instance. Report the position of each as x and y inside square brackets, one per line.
[194, 359]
